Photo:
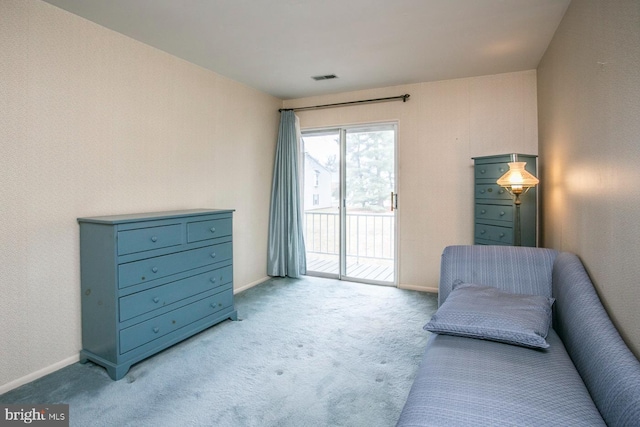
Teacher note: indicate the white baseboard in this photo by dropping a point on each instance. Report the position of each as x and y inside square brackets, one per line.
[251, 285]
[418, 288]
[38, 374]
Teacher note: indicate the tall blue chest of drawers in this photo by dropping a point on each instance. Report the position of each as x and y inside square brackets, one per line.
[151, 280]
[494, 216]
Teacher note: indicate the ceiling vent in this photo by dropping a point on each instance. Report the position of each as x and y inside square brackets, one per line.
[325, 77]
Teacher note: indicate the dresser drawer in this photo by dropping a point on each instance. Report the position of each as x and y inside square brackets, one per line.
[492, 243]
[491, 191]
[157, 327]
[494, 212]
[212, 229]
[494, 233]
[154, 268]
[160, 296]
[490, 170]
[145, 239]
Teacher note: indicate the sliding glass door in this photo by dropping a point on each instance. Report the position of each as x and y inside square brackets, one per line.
[321, 168]
[369, 218]
[349, 201]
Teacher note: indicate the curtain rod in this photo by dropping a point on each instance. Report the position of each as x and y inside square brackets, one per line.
[342, 104]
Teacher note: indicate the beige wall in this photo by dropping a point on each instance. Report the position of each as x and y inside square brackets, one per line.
[440, 128]
[93, 123]
[589, 101]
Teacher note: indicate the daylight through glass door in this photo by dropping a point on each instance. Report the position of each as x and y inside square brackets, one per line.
[349, 180]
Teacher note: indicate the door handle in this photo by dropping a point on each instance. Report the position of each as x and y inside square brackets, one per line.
[394, 201]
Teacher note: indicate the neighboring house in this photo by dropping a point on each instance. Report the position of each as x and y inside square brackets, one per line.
[317, 184]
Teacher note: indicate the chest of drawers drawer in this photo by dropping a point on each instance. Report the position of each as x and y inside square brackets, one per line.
[491, 191]
[132, 273]
[157, 327]
[491, 171]
[145, 239]
[211, 229]
[494, 212]
[173, 292]
[501, 235]
[149, 281]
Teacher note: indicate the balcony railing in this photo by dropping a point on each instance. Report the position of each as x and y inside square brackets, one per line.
[367, 235]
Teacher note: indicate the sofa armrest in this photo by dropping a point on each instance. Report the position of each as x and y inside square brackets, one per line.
[520, 270]
[607, 366]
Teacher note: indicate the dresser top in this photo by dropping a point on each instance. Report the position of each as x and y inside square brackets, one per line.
[119, 219]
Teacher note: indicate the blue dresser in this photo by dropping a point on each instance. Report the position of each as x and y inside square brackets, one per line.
[151, 280]
[494, 216]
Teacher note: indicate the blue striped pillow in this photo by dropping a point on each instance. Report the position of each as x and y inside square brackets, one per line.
[489, 313]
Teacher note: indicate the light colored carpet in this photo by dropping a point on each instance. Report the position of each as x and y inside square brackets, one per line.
[307, 352]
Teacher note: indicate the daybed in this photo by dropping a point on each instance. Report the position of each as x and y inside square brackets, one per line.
[586, 377]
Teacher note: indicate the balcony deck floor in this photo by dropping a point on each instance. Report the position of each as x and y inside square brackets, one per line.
[379, 271]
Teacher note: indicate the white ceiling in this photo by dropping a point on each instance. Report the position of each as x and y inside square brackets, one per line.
[277, 45]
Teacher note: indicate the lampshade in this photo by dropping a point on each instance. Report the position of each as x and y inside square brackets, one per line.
[517, 180]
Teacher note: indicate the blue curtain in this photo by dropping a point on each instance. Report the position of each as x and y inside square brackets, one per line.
[286, 256]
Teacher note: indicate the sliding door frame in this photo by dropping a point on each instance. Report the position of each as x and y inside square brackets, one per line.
[342, 131]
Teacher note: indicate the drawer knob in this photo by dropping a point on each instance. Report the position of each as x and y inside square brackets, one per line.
[502, 213]
[482, 171]
[213, 255]
[481, 191]
[213, 280]
[500, 191]
[501, 234]
[483, 211]
[156, 300]
[483, 231]
[156, 330]
[213, 229]
[154, 239]
[489, 190]
[154, 269]
[501, 170]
